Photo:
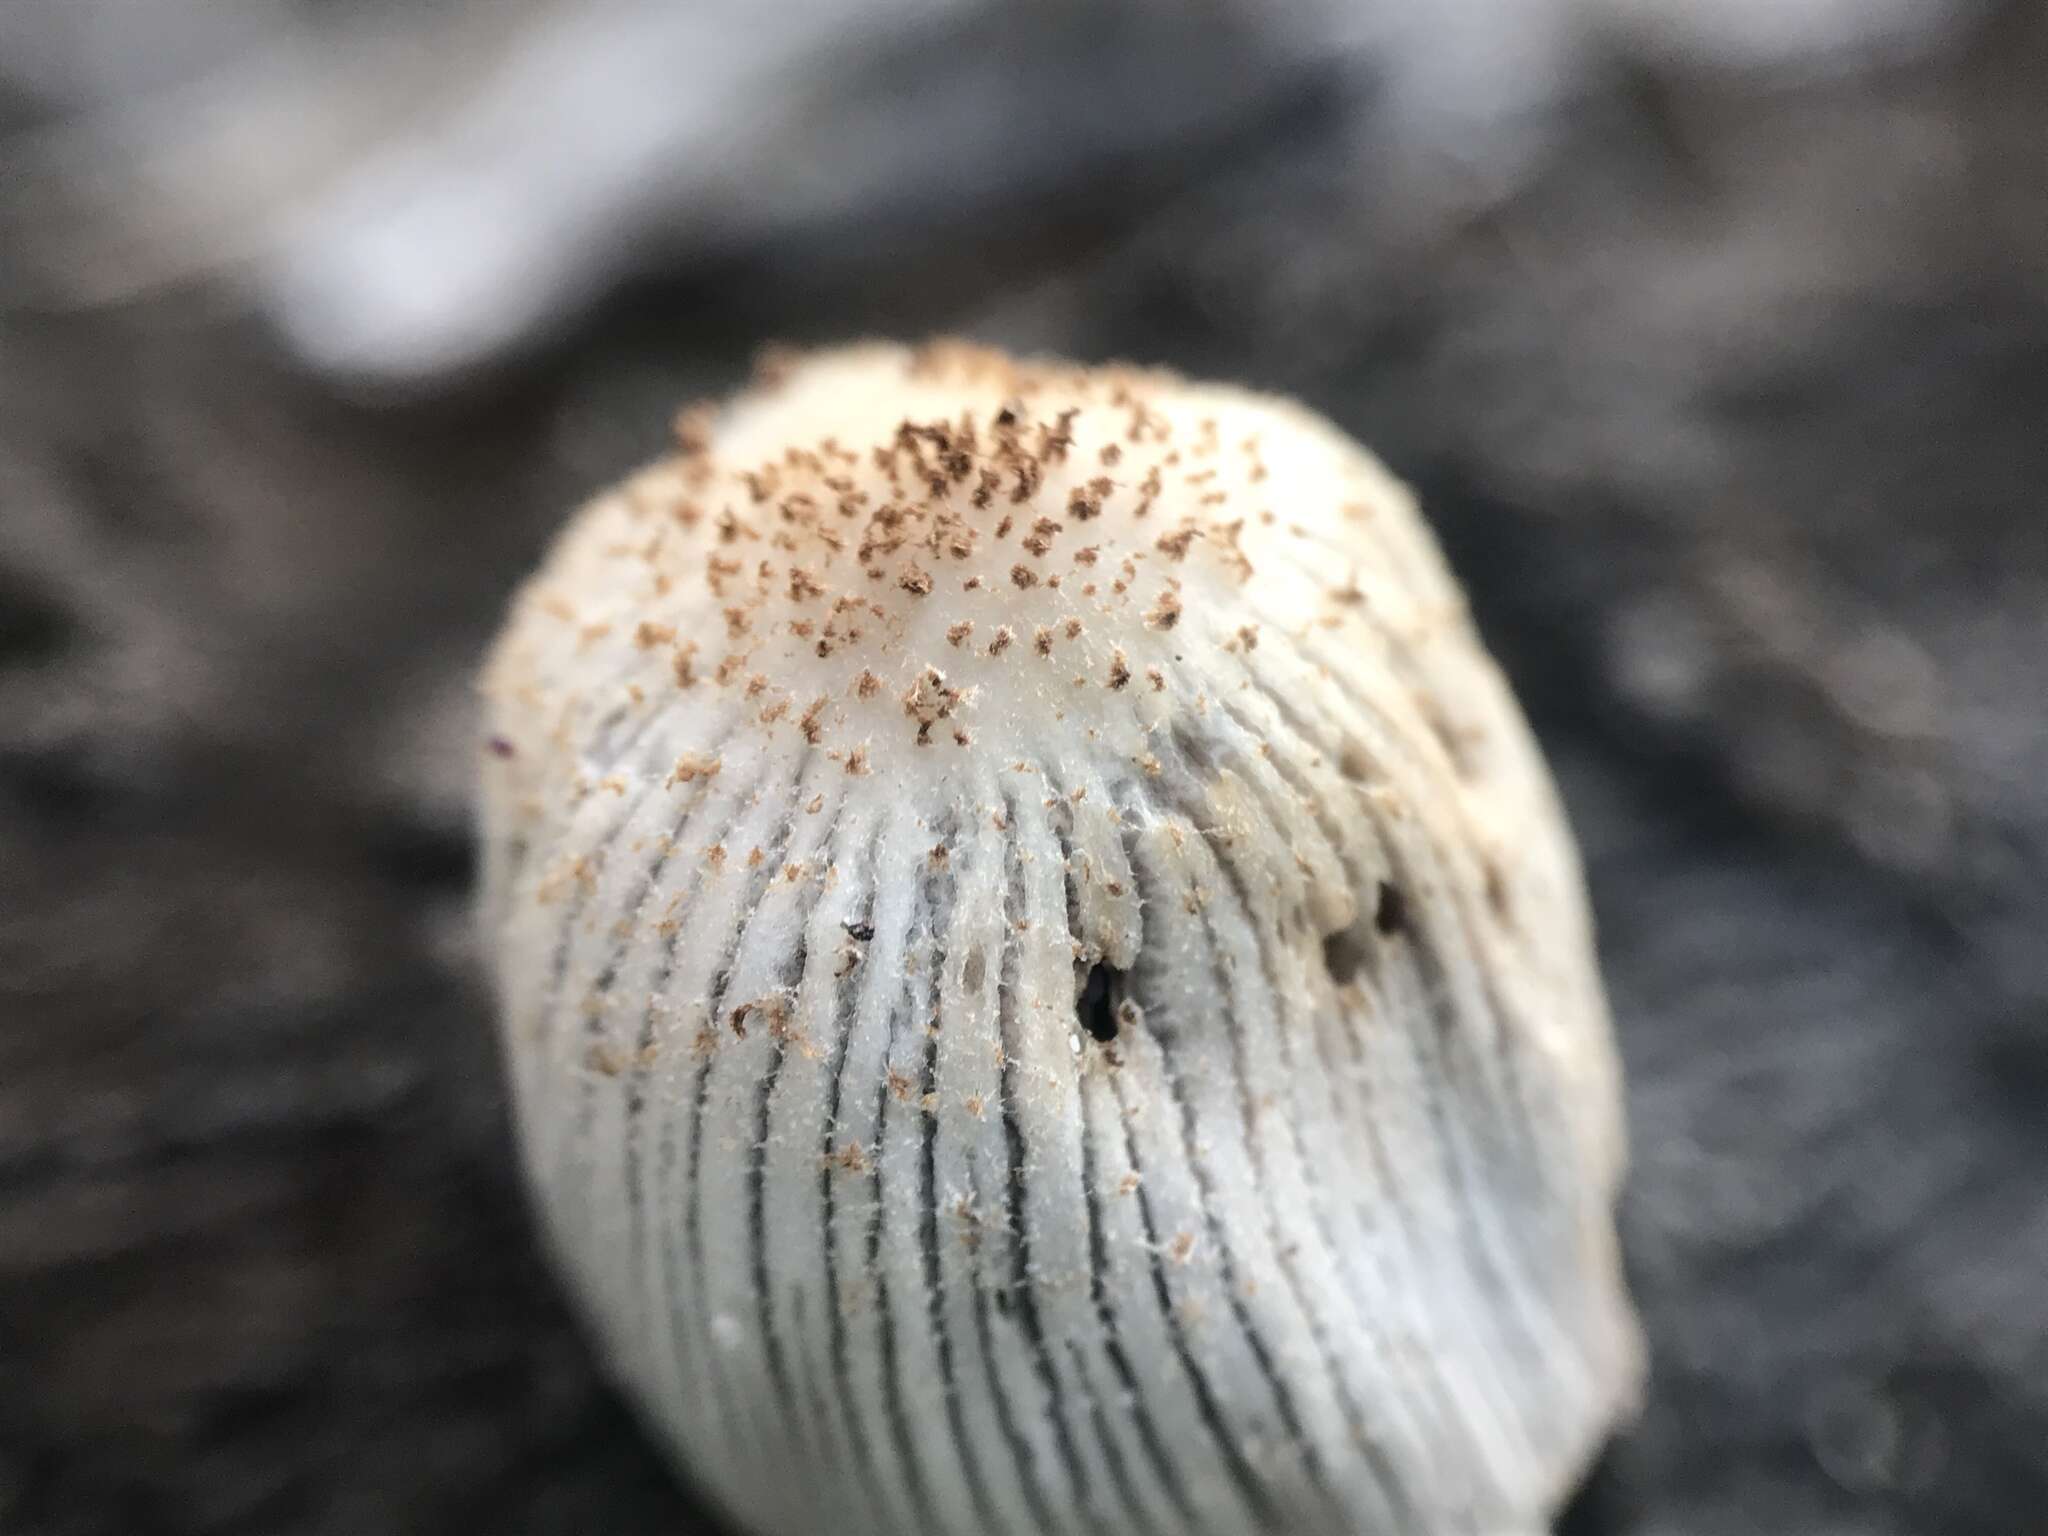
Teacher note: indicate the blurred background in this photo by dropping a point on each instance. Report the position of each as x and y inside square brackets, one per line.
[1714, 332]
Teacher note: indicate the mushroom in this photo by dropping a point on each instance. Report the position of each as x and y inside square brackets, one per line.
[1045, 981]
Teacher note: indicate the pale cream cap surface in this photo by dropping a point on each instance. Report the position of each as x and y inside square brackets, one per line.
[1046, 982]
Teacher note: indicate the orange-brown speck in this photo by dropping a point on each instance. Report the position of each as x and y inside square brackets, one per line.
[810, 721]
[692, 766]
[692, 428]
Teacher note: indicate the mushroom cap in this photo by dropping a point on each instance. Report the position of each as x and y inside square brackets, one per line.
[1046, 983]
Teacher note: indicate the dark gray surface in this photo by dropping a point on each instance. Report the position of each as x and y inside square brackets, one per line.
[1731, 404]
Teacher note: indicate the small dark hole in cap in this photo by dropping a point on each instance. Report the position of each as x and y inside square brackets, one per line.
[1390, 915]
[1343, 954]
[1496, 890]
[1096, 1006]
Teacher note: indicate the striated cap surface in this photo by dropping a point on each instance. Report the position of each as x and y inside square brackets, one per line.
[1046, 984]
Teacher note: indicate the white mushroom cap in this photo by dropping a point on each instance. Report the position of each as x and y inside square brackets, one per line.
[1046, 983]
